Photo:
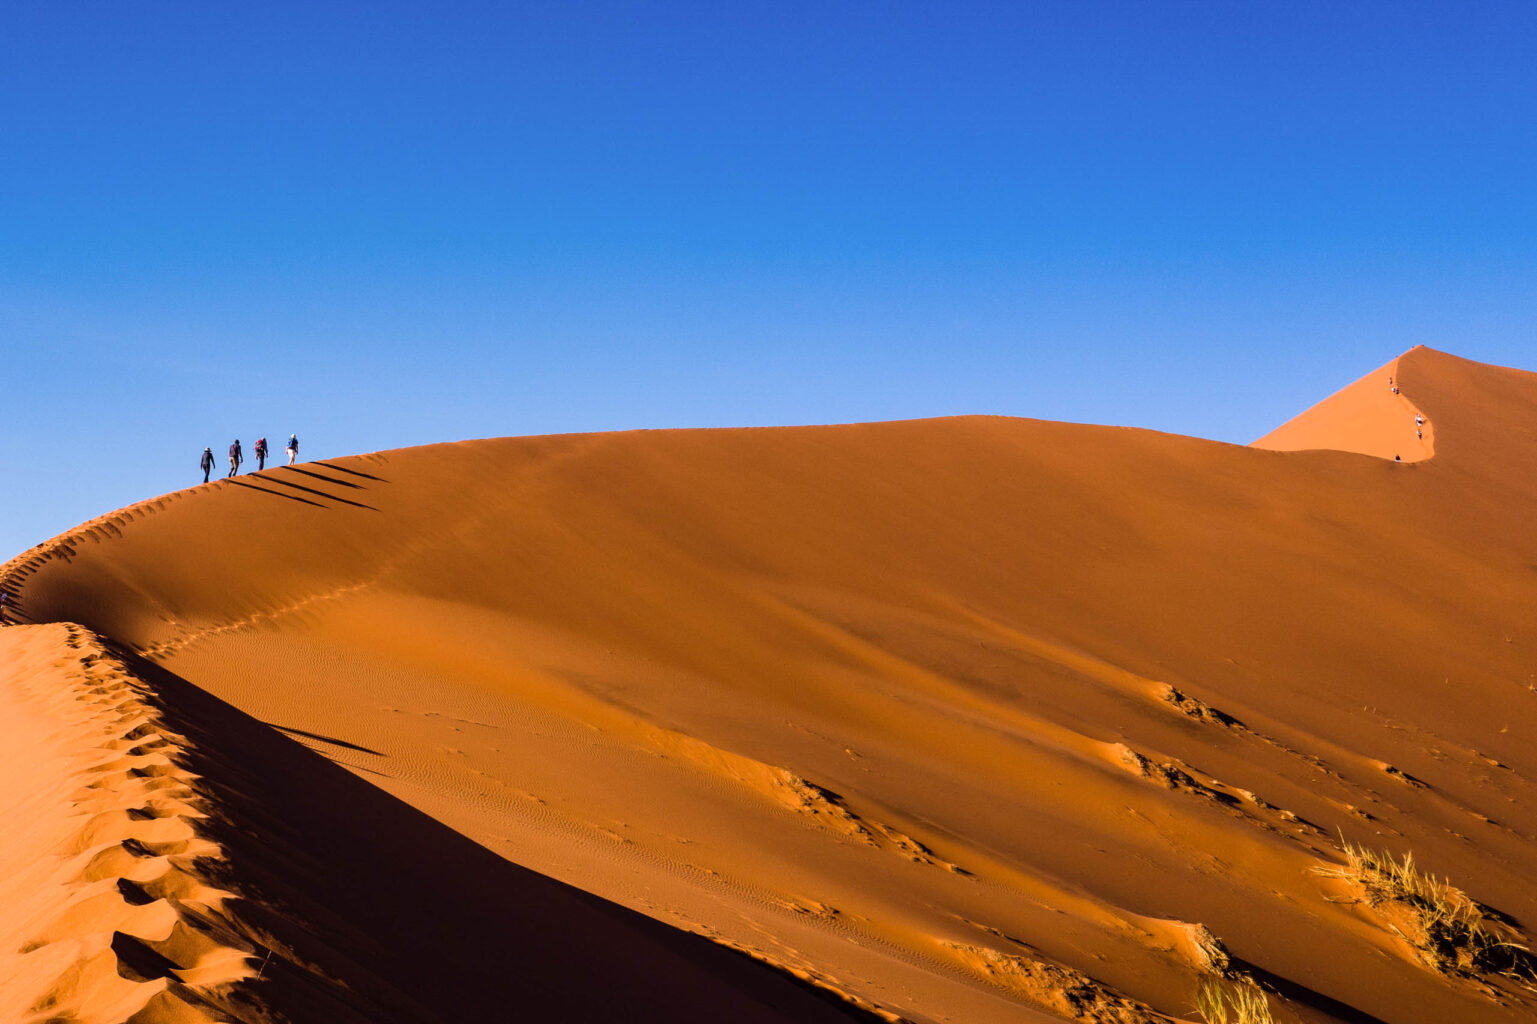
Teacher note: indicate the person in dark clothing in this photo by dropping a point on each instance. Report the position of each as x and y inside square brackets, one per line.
[207, 463]
[261, 454]
[235, 457]
[293, 448]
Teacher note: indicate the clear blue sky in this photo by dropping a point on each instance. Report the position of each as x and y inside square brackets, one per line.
[387, 224]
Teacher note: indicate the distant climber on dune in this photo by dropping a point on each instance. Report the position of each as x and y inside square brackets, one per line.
[293, 448]
[235, 458]
[261, 454]
[207, 463]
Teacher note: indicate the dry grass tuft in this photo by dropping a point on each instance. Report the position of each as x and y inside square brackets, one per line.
[1239, 1002]
[1451, 932]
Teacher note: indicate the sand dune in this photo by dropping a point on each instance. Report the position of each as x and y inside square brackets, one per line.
[1373, 416]
[973, 719]
[173, 848]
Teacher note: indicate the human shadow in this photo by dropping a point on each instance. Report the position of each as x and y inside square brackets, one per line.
[354, 472]
[275, 494]
[362, 908]
[290, 730]
[310, 490]
[321, 476]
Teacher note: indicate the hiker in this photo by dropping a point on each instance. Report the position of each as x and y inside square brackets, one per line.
[5, 601]
[207, 463]
[261, 454]
[1419, 419]
[235, 457]
[293, 448]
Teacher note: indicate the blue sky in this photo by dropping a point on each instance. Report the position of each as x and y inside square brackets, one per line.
[387, 224]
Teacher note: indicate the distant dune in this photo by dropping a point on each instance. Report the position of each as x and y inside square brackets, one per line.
[1373, 416]
[973, 719]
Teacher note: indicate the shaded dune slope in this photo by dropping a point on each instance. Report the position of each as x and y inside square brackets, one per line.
[207, 868]
[971, 719]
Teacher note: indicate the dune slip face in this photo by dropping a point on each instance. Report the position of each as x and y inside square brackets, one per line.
[110, 912]
[974, 719]
[171, 861]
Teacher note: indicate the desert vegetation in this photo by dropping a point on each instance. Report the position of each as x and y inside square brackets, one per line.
[1450, 931]
[1237, 1001]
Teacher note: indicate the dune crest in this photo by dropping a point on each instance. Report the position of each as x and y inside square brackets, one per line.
[171, 862]
[1374, 415]
[975, 719]
[110, 910]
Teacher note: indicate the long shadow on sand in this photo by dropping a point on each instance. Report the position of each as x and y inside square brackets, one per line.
[354, 472]
[1298, 993]
[332, 740]
[319, 493]
[338, 481]
[377, 912]
[275, 494]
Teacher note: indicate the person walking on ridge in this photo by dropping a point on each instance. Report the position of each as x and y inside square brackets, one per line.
[235, 457]
[207, 463]
[261, 454]
[293, 448]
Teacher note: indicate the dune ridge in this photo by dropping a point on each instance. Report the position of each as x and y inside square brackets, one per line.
[121, 920]
[1371, 416]
[954, 717]
[202, 868]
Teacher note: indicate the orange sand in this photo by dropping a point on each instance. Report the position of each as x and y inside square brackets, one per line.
[174, 860]
[1368, 417]
[973, 719]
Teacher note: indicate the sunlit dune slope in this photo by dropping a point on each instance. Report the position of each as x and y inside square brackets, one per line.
[975, 719]
[1372, 416]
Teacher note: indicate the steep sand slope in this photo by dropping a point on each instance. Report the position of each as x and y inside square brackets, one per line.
[168, 859]
[932, 713]
[1372, 416]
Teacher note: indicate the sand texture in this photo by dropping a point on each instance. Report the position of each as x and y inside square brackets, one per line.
[173, 860]
[969, 720]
